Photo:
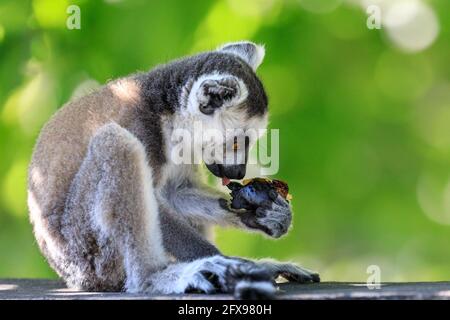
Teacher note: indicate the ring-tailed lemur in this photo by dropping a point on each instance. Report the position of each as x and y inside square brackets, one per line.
[110, 210]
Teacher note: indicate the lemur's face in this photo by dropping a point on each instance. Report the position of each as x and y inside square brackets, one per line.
[230, 103]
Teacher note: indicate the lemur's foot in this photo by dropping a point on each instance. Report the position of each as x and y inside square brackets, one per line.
[273, 217]
[289, 271]
[218, 274]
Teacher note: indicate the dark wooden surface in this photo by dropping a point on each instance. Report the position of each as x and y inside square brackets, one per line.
[52, 289]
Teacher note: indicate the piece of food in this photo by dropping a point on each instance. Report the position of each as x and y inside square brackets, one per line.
[253, 192]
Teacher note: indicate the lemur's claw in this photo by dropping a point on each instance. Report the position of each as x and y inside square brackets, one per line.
[303, 276]
[289, 271]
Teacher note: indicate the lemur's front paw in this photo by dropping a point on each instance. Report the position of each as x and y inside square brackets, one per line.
[273, 217]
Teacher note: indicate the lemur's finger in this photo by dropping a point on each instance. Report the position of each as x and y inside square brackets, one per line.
[273, 195]
[278, 199]
[213, 278]
[275, 223]
[260, 212]
[248, 218]
[199, 284]
[301, 277]
[281, 202]
[267, 204]
[225, 204]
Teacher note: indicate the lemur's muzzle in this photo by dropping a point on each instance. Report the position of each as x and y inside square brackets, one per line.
[234, 169]
[227, 172]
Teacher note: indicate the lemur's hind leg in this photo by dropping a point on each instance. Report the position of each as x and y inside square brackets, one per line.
[112, 227]
[111, 216]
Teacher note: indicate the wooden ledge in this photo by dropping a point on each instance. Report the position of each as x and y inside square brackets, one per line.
[40, 289]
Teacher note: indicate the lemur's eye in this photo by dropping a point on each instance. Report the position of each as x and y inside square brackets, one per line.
[235, 144]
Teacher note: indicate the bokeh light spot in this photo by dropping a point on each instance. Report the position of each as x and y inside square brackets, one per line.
[32, 103]
[411, 25]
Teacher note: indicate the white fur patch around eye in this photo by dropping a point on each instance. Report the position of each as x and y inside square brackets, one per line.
[191, 97]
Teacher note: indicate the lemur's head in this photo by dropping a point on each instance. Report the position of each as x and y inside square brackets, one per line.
[226, 97]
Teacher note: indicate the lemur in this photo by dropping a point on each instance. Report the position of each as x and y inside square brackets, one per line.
[111, 212]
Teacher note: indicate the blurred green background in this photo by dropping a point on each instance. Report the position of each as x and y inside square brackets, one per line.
[364, 117]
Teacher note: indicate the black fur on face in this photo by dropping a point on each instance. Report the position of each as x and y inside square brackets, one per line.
[214, 93]
[161, 87]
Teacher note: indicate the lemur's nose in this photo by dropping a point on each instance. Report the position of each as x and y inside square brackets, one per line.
[234, 171]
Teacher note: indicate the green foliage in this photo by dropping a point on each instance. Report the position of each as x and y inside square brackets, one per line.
[364, 127]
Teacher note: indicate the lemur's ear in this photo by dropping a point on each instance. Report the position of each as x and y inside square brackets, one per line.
[250, 52]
